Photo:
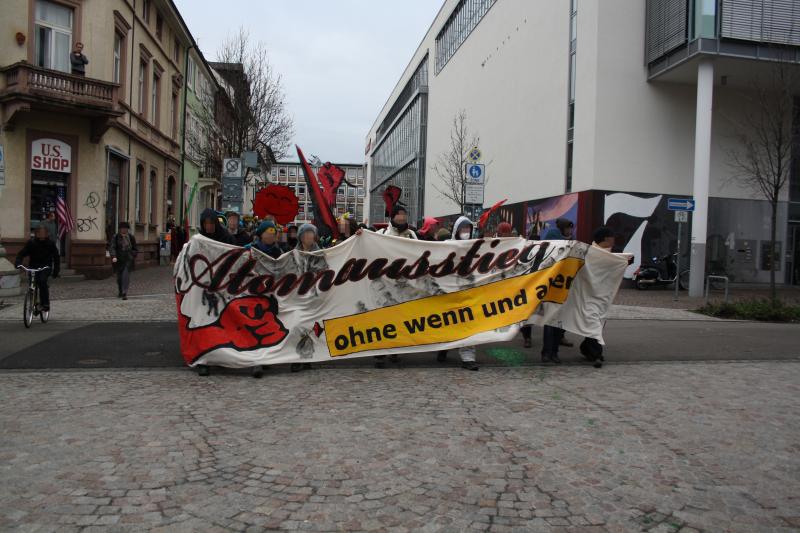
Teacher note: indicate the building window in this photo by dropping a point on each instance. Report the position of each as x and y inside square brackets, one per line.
[152, 194]
[463, 19]
[53, 30]
[190, 74]
[573, 63]
[115, 76]
[146, 11]
[173, 114]
[137, 204]
[142, 87]
[154, 93]
[176, 51]
[159, 26]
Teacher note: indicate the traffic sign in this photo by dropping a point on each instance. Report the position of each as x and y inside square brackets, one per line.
[476, 173]
[680, 204]
[473, 193]
[474, 154]
[232, 168]
[681, 216]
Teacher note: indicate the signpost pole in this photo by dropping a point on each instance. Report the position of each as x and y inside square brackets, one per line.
[678, 259]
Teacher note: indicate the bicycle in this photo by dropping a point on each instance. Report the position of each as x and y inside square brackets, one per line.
[31, 307]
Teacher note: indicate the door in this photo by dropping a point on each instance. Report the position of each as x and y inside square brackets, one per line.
[46, 187]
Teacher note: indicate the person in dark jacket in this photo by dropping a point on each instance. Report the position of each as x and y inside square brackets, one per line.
[210, 227]
[237, 231]
[123, 250]
[267, 240]
[291, 237]
[553, 337]
[42, 252]
[78, 61]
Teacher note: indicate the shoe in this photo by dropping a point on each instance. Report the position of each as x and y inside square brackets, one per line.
[203, 370]
[470, 365]
[124, 296]
[526, 343]
[597, 363]
[441, 357]
[295, 367]
[550, 358]
[258, 371]
[565, 342]
[554, 358]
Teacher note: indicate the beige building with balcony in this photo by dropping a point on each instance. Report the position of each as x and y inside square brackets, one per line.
[109, 141]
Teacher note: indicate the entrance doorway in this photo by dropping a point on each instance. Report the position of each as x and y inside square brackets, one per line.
[46, 187]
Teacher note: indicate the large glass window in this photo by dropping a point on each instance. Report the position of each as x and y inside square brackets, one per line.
[466, 15]
[53, 31]
[705, 18]
[190, 74]
[154, 107]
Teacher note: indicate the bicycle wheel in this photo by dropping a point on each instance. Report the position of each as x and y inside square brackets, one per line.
[683, 280]
[27, 308]
[43, 315]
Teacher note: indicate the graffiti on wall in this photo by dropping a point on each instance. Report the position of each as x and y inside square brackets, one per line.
[542, 215]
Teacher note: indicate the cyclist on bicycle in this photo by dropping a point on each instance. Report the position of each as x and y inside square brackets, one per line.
[42, 253]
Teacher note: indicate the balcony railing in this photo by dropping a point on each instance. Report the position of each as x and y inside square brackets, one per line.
[24, 79]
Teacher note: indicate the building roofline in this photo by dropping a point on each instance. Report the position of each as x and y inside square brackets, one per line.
[403, 74]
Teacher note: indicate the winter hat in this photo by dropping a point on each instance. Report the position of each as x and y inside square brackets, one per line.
[264, 226]
[443, 234]
[307, 227]
[398, 208]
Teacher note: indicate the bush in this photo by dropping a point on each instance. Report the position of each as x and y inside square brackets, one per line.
[764, 310]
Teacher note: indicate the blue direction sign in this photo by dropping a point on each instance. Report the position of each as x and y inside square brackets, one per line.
[680, 204]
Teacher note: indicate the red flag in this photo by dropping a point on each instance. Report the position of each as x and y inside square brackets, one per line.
[485, 217]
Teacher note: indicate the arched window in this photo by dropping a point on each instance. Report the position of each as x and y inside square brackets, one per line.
[152, 195]
[137, 205]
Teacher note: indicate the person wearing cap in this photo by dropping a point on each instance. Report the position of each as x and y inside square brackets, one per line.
[123, 250]
[307, 237]
[462, 231]
[267, 240]
[430, 226]
[398, 224]
[236, 229]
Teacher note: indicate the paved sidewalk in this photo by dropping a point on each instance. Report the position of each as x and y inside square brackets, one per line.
[658, 447]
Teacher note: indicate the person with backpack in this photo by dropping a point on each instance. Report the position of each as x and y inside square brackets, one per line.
[123, 251]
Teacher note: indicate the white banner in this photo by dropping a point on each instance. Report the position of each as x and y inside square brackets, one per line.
[376, 294]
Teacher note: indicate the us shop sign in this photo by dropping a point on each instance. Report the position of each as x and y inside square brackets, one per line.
[51, 155]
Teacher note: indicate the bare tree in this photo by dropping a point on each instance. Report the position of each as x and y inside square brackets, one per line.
[250, 114]
[761, 158]
[451, 167]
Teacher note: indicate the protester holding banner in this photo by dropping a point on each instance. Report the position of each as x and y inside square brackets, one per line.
[430, 226]
[553, 337]
[267, 240]
[210, 227]
[462, 231]
[307, 238]
[398, 224]
[236, 229]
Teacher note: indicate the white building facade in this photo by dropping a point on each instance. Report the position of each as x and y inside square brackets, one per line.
[589, 109]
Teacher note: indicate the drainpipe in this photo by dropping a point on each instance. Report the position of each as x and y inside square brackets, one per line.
[183, 130]
[130, 115]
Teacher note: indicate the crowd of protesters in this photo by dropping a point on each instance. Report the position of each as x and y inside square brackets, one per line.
[269, 238]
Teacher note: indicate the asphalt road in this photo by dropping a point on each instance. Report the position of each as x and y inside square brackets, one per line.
[153, 345]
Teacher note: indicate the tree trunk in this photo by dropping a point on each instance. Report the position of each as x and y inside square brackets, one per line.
[773, 230]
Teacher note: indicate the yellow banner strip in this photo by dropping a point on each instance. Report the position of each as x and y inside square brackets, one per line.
[451, 317]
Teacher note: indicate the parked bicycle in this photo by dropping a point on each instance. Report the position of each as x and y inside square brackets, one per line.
[32, 307]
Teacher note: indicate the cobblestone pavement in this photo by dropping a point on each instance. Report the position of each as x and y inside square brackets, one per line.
[657, 447]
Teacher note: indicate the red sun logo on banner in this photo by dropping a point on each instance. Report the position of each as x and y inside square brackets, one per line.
[278, 201]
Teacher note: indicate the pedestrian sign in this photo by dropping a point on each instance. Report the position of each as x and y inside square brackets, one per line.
[680, 204]
[475, 173]
[474, 154]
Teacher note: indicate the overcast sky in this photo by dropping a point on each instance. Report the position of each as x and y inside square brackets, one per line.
[339, 59]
